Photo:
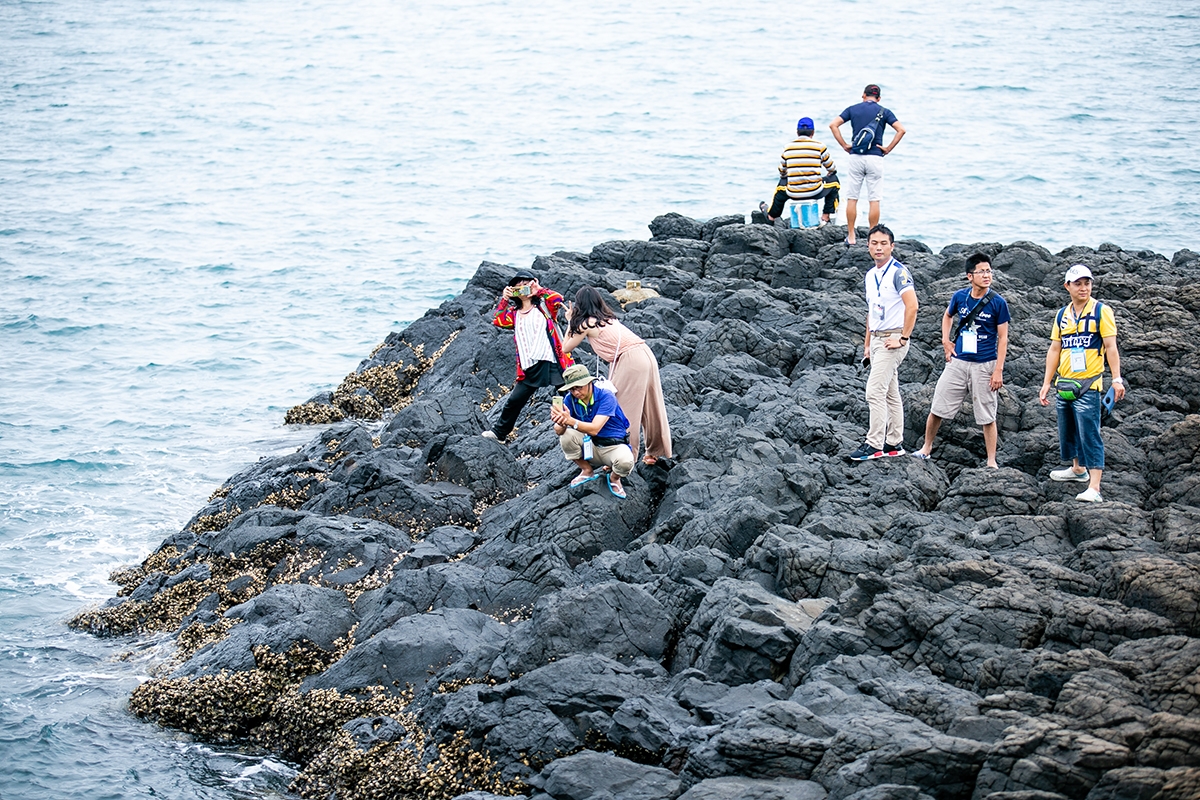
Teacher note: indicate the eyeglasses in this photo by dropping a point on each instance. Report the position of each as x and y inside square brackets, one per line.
[982, 272]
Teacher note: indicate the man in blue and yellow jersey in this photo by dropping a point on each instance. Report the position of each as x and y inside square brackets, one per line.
[1083, 337]
[806, 172]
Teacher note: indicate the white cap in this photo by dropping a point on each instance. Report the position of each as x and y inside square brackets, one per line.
[1076, 272]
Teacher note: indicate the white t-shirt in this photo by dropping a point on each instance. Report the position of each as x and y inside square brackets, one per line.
[533, 340]
[883, 287]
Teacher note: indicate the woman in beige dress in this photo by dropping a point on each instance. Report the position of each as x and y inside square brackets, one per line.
[632, 369]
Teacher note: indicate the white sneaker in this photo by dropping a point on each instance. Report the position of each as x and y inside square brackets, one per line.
[489, 435]
[1089, 495]
[1069, 474]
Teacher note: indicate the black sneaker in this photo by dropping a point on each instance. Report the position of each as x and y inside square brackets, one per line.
[893, 450]
[865, 453]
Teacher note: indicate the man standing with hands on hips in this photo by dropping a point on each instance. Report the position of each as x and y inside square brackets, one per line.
[868, 120]
[975, 338]
[1084, 336]
[891, 315]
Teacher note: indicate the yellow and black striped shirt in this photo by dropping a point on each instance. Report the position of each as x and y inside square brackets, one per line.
[802, 162]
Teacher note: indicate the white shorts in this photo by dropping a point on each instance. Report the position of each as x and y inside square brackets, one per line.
[961, 379]
[864, 169]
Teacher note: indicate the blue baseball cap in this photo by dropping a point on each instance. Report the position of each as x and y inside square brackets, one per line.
[806, 122]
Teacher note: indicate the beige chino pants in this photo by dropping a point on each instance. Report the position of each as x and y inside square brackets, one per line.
[883, 394]
[618, 456]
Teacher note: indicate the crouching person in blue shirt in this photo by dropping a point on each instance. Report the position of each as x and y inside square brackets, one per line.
[592, 430]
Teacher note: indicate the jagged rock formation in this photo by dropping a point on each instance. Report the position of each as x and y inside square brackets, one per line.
[764, 619]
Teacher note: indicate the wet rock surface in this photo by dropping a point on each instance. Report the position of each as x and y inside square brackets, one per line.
[761, 618]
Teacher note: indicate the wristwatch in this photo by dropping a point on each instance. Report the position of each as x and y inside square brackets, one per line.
[903, 339]
[575, 425]
[1118, 381]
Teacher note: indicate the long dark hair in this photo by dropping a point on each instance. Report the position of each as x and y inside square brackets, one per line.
[589, 310]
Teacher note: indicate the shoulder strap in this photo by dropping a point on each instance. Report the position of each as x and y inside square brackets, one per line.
[544, 309]
[616, 354]
[1096, 311]
[1093, 317]
[971, 315]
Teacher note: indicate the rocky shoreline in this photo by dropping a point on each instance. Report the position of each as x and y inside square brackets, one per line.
[406, 609]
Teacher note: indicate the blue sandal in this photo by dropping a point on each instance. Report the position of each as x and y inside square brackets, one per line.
[620, 494]
[580, 480]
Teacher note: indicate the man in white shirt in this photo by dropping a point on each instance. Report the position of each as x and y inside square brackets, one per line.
[891, 315]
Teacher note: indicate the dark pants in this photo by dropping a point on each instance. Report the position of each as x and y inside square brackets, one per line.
[830, 193]
[543, 373]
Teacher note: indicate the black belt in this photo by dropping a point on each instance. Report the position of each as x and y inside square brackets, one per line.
[605, 441]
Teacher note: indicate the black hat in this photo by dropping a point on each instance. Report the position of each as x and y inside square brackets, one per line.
[522, 275]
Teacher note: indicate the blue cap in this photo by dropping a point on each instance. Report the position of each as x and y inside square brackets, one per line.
[806, 122]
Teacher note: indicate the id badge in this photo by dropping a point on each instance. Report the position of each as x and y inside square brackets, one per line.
[970, 341]
[1078, 359]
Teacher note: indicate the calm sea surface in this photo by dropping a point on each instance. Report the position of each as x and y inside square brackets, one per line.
[211, 211]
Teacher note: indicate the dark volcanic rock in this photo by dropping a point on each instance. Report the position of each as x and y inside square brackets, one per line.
[754, 789]
[601, 775]
[759, 619]
[277, 618]
[404, 653]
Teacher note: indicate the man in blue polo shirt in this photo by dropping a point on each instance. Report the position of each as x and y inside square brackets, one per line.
[590, 418]
[868, 120]
[975, 339]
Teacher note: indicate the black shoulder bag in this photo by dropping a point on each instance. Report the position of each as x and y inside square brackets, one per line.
[970, 317]
[864, 140]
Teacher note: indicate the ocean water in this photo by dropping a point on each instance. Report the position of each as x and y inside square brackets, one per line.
[211, 211]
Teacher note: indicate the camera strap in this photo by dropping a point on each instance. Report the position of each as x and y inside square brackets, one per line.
[966, 321]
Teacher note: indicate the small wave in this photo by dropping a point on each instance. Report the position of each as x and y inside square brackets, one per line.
[74, 330]
[63, 464]
[19, 324]
[1001, 88]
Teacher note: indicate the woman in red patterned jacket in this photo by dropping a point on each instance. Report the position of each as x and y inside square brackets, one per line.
[529, 311]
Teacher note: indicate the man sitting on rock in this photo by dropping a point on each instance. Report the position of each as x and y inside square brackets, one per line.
[975, 340]
[590, 419]
[806, 172]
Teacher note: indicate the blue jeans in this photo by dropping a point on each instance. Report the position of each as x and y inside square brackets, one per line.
[1079, 430]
